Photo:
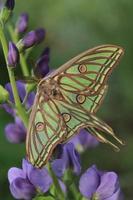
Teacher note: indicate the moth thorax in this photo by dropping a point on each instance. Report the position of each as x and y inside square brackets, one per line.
[82, 68]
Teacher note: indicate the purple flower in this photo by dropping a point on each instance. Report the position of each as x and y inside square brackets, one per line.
[22, 23]
[15, 132]
[84, 140]
[67, 158]
[100, 185]
[10, 4]
[26, 181]
[40, 35]
[32, 38]
[42, 64]
[22, 93]
[29, 40]
[13, 55]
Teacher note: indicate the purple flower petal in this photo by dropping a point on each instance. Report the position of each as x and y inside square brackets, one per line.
[68, 158]
[40, 35]
[27, 167]
[42, 64]
[40, 179]
[8, 109]
[74, 159]
[89, 182]
[84, 140]
[29, 39]
[13, 55]
[10, 4]
[46, 51]
[42, 67]
[63, 186]
[14, 173]
[30, 100]
[22, 92]
[116, 196]
[15, 132]
[22, 189]
[108, 186]
[22, 23]
[9, 89]
[59, 167]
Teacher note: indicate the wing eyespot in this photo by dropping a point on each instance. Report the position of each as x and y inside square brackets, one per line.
[80, 98]
[66, 117]
[39, 126]
[82, 68]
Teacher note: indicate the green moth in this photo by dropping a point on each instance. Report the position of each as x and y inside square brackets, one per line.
[67, 101]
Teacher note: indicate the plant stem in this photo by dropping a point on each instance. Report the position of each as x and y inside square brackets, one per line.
[59, 191]
[74, 191]
[23, 63]
[20, 108]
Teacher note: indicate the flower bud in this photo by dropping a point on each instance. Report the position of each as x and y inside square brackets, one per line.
[22, 23]
[13, 55]
[4, 95]
[42, 64]
[30, 39]
[46, 51]
[6, 11]
[40, 35]
[10, 4]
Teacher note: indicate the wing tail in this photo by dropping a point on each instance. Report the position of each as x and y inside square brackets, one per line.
[102, 131]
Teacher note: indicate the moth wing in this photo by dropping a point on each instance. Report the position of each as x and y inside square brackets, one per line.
[46, 130]
[77, 118]
[89, 71]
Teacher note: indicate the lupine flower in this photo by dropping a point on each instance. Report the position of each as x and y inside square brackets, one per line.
[42, 64]
[22, 93]
[31, 38]
[25, 182]
[13, 55]
[84, 140]
[15, 132]
[10, 4]
[68, 158]
[22, 23]
[100, 185]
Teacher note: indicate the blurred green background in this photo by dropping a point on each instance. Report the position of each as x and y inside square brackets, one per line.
[72, 27]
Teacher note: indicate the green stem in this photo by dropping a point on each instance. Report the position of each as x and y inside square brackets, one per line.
[69, 180]
[23, 63]
[75, 192]
[20, 108]
[56, 184]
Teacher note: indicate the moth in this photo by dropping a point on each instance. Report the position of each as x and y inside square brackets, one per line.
[67, 101]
